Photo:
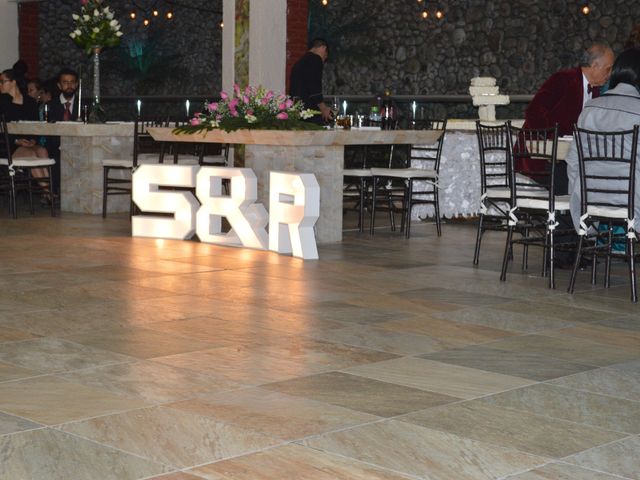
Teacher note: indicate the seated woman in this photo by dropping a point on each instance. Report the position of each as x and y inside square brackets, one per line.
[616, 110]
[21, 107]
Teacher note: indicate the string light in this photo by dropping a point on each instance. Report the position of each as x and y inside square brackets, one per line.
[325, 2]
[133, 15]
[169, 15]
[586, 9]
[439, 14]
[156, 13]
[425, 14]
[146, 22]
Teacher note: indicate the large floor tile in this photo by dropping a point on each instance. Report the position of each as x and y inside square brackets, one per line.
[11, 424]
[618, 458]
[329, 355]
[621, 380]
[400, 343]
[53, 455]
[536, 434]
[447, 332]
[8, 334]
[140, 342]
[573, 405]
[615, 337]
[559, 471]
[51, 400]
[172, 437]
[571, 349]
[423, 452]
[360, 393]
[150, 381]
[525, 365]
[439, 377]
[273, 413]
[49, 355]
[294, 461]
[11, 372]
[240, 365]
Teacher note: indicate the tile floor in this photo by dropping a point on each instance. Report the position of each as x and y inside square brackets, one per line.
[126, 358]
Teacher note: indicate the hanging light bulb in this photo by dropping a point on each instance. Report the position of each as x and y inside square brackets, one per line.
[169, 15]
[146, 22]
[133, 15]
[221, 24]
[156, 13]
[325, 2]
[586, 9]
[425, 14]
[439, 14]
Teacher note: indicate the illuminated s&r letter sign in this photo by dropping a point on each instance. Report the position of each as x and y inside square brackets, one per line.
[294, 205]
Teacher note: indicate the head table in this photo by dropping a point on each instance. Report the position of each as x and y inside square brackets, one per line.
[318, 152]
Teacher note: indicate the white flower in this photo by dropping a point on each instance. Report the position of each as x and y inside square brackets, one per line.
[76, 17]
[113, 23]
[96, 13]
[251, 118]
[96, 30]
[86, 18]
[304, 114]
[72, 35]
[118, 34]
[109, 15]
[77, 32]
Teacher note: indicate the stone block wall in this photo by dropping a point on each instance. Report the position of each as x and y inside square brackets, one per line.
[182, 56]
[379, 44]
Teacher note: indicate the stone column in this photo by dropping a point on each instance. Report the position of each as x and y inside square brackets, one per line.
[8, 33]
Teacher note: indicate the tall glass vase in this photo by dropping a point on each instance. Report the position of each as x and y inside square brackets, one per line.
[97, 113]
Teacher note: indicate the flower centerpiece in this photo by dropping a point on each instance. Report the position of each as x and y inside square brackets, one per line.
[95, 29]
[251, 108]
[95, 26]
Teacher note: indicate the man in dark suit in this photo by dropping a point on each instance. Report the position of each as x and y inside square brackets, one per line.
[62, 108]
[65, 106]
[305, 82]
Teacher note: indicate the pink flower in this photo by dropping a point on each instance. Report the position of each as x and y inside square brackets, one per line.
[197, 114]
[236, 89]
[264, 101]
[289, 103]
[247, 91]
[233, 104]
[245, 99]
[269, 95]
[195, 122]
[249, 111]
[212, 107]
[282, 106]
[282, 116]
[224, 95]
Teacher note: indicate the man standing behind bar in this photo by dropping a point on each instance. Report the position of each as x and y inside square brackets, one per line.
[305, 82]
[562, 96]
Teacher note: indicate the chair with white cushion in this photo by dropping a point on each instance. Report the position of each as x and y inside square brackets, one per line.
[607, 171]
[145, 150]
[494, 150]
[535, 208]
[420, 185]
[18, 173]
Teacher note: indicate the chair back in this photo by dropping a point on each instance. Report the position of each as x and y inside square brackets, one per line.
[607, 169]
[429, 153]
[540, 145]
[144, 143]
[5, 145]
[495, 150]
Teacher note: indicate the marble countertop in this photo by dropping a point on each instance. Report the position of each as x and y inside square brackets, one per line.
[72, 129]
[303, 138]
[470, 124]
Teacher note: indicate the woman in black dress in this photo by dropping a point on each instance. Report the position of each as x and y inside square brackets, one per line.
[18, 106]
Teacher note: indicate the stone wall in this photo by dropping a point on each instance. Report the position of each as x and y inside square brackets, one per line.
[385, 44]
[182, 56]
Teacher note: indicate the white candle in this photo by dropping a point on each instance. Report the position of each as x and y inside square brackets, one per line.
[413, 109]
[79, 93]
[344, 107]
[187, 104]
[139, 105]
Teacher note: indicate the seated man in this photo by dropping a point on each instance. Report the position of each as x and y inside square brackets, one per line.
[561, 99]
[616, 110]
